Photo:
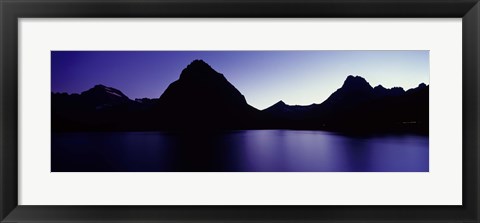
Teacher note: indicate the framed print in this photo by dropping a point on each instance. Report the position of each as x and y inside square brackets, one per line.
[239, 111]
[261, 127]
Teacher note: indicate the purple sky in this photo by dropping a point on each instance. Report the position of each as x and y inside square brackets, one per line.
[263, 77]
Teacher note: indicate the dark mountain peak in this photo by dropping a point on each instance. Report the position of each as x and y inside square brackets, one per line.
[355, 83]
[355, 78]
[354, 90]
[198, 70]
[397, 90]
[290, 112]
[199, 80]
[381, 91]
[199, 65]
[202, 97]
[280, 103]
[198, 62]
[100, 90]
[421, 86]
[380, 88]
[99, 86]
[102, 96]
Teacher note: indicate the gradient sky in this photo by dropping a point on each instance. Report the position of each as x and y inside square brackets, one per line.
[263, 77]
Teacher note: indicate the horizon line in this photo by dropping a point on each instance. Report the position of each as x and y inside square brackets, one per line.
[281, 100]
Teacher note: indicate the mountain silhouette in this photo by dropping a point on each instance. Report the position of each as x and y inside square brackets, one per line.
[381, 91]
[101, 95]
[200, 84]
[354, 90]
[282, 108]
[281, 115]
[279, 108]
[98, 108]
[203, 99]
[357, 106]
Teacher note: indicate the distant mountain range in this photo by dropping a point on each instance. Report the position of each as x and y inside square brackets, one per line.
[357, 106]
[202, 98]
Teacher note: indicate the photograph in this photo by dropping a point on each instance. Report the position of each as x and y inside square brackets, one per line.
[240, 111]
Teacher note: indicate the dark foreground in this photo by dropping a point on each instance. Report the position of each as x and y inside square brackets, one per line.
[238, 151]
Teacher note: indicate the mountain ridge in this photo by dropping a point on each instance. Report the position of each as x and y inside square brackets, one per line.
[202, 98]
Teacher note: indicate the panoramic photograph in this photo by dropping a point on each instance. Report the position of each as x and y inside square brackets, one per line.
[240, 111]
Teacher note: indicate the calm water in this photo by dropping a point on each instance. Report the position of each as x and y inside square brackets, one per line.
[251, 150]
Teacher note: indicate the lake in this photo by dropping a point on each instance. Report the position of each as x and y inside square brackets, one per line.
[238, 151]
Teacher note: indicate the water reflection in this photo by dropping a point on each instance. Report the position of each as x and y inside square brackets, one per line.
[246, 151]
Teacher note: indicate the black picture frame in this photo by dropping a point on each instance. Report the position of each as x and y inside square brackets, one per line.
[12, 10]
